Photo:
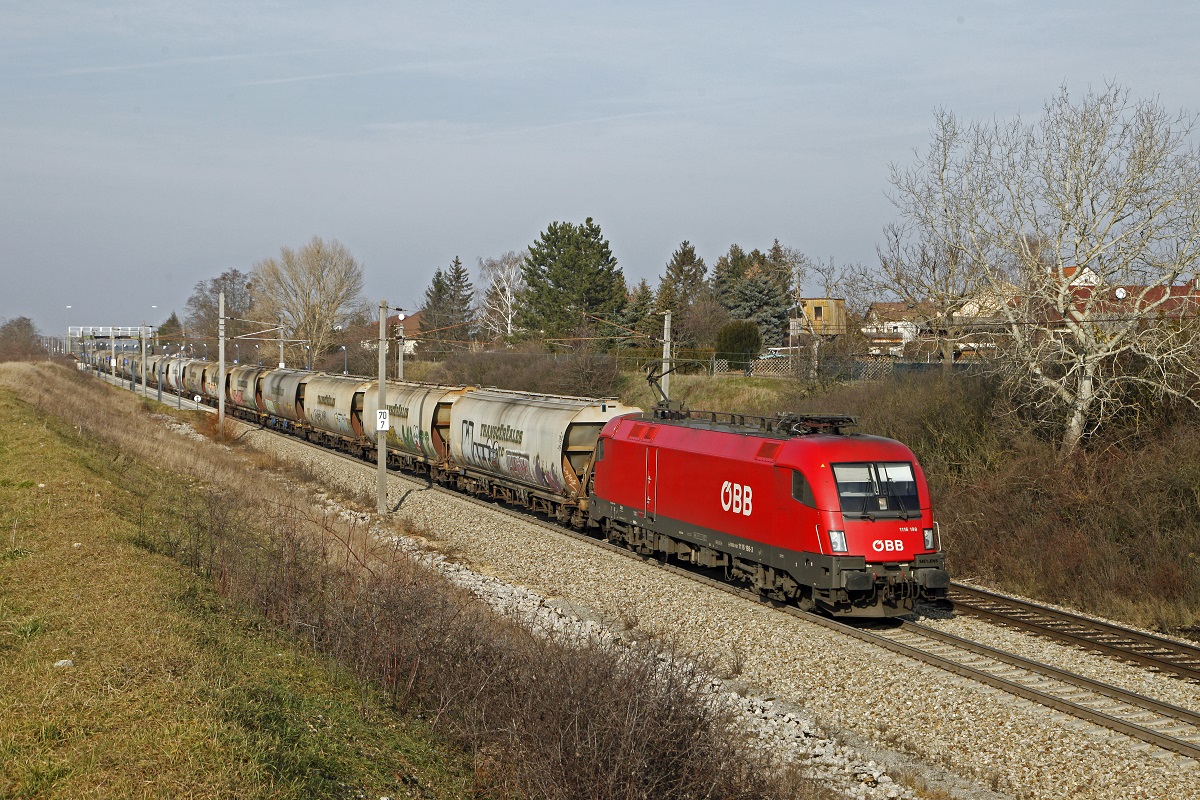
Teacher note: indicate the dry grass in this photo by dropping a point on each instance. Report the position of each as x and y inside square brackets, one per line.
[540, 716]
[168, 694]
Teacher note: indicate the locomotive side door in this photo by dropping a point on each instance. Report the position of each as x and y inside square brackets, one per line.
[651, 482]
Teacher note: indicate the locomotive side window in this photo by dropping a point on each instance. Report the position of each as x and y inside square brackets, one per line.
[600, 450]
[877, 489]
[802, 490]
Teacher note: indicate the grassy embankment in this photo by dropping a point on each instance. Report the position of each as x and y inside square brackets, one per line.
[179, 689]
[169, 693]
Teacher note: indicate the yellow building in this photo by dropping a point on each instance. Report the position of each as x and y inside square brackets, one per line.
[824, 316]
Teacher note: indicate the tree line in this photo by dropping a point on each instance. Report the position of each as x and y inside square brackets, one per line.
[564, 289]
[1063, 251]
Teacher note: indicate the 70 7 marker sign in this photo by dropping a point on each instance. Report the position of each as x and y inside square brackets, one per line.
[382, 422]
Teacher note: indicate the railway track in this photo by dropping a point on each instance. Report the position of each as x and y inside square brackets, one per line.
[1162, 724]
[1154, 652]
[1145, 719]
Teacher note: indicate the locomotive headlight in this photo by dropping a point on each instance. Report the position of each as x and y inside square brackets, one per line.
[837, 541]
[929, 540]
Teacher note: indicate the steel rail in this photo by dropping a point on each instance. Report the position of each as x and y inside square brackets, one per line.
[1123, 643]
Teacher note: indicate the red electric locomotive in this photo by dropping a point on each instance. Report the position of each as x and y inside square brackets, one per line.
[801, 510]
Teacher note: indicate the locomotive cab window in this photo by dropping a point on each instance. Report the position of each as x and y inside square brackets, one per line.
[880, 489]
[802, 490]
[600, 449]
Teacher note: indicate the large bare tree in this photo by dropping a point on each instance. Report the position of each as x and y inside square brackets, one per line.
[313, 290]
[1087, 222]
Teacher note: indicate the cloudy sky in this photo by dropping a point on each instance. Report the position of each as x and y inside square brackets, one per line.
[146, 145]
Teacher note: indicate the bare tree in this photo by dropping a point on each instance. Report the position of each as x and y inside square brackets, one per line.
[1086, 222]
[203, 307]
[922, 262]
[500, 282]
[20, 340]
[311, 290]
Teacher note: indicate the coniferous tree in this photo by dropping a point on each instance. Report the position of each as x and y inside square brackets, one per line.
[758, 298]
[739, 342]
[447, 318]
[460, 318]
[434, 313]
[570, 272]
[683, 280]
[171, 330]
[729, 271]
[640, 315]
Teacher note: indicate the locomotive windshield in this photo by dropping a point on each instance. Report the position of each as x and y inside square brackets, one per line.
[880, 489]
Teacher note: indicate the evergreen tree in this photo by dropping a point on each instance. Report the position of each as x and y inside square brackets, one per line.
[460, 318]
[640, 314]
[171, 330]
[729, 271]
[682, 281]
[446, 314]
[434, 312]
[758, 298]
[739, 342]
[570, 269]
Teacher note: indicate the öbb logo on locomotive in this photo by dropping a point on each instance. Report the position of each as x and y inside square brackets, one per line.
[737, 498]
[829, 519]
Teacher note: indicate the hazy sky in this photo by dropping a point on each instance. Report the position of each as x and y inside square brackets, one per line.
[145, 146]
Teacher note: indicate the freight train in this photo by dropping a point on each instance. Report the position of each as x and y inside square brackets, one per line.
[796, 507]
